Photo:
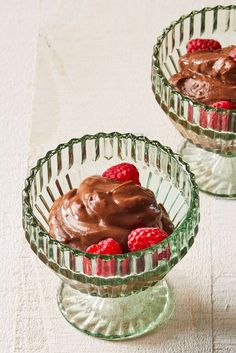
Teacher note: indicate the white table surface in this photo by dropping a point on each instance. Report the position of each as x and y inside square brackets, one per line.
[89, 71]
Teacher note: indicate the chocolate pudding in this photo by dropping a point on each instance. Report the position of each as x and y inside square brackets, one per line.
[103, 208]
[207, 76]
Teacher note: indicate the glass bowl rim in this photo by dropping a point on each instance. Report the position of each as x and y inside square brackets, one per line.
[164, 80]
[192, 213]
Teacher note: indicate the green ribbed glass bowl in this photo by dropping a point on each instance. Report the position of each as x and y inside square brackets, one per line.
[134, 298]
[211, 153]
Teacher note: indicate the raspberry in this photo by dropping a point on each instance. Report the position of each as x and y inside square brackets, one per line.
[103, 267]
[203, 118]
[190, 113]
[123, 172]
[202, 44]
[233, 54]
[223, 105]
[142, 238]
[106, 247]
[218, 121]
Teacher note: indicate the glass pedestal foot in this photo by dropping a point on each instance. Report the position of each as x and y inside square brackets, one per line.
[214, 173]
[116, 318]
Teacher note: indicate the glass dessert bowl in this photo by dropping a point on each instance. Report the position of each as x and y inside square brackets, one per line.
[132, 298]
[209, 149]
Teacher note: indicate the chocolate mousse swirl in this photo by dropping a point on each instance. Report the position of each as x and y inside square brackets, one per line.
[207, 76]
[102, 208]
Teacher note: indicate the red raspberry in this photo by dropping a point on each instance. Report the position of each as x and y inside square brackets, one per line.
[103, 267]
[203, 118]
[233, 54]
[106, 247]
[223, 105]
[123, 172]
[218, 121]
[190, 113]
[202, 44]
[142, 238]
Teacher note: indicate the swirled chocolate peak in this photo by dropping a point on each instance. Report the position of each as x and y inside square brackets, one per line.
[103, 208]
[207, 76]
